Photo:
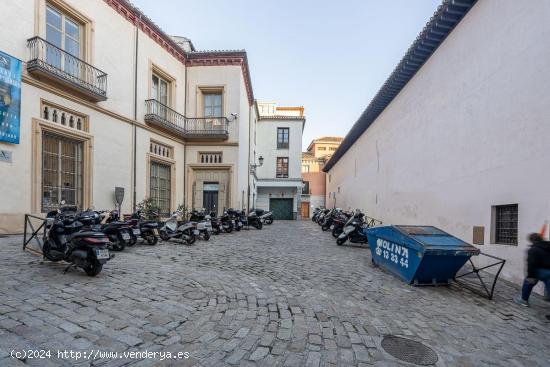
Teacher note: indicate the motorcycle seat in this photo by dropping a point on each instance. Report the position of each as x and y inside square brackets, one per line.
[88, 234]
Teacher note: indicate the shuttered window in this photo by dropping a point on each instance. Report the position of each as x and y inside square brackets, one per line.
[160, 186]
[61, 172]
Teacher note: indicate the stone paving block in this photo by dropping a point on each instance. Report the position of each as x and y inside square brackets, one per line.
[287, 289]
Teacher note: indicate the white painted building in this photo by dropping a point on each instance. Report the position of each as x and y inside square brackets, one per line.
[458, 135]
[278, 138]
[110, 100]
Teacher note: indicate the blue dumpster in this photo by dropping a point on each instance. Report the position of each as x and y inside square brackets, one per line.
[419, 254]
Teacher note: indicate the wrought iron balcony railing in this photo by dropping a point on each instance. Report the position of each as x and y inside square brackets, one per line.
[195, 128]
[48, 60]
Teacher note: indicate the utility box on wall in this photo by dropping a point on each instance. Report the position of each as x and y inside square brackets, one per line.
[478, 237]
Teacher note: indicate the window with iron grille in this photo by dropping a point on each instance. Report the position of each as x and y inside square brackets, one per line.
[506, 224]
[282, 167]
[61, 172]
[305, 190]
[160, 186]
[282, 138]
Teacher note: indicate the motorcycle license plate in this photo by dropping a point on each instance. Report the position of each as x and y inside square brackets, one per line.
[125, 236]
[332, 226]
[136, 231]
[196, 232]
[102, 254]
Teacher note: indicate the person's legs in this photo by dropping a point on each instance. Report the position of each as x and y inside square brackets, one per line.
[544, 276]
[528, 285]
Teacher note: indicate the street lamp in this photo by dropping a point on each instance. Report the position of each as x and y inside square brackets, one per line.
[260, 163]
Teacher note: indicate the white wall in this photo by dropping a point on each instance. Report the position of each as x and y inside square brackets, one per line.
[469, 131]
[267, 147]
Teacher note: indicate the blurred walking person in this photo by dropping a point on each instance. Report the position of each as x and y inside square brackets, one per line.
[538, 268]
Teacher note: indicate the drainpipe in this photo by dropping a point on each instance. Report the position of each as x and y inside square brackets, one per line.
[185, 143]
[248, 165]
[134, 163]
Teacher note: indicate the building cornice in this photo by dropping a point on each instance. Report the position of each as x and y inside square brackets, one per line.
[441, 24]
[281, 117]
[195, 58]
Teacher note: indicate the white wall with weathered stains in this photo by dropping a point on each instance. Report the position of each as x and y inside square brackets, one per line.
[469, 131]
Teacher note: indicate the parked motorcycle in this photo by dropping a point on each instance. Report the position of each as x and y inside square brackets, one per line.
[146, 229]
[265, 216]
[329, 217]
[66, 241]
[353, 230]
[172, 229]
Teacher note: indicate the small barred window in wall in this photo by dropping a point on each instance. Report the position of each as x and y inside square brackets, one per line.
[65, 34]
[160, 149]
[282, 138]
[160, 186]
[506, 224]
[282, 167]
[61, 172]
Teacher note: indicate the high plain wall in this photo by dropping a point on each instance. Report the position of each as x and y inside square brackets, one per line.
[469, 131]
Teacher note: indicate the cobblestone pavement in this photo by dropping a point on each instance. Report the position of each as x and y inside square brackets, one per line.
[283, 296]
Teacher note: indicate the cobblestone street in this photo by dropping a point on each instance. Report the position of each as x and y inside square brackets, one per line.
[283, 296]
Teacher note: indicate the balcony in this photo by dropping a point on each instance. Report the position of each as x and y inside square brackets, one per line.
[195, 128]
[49, 61]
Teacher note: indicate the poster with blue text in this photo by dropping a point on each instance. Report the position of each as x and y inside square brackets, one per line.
[10, 98]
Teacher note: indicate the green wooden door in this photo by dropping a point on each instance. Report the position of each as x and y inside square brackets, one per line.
[281, 208]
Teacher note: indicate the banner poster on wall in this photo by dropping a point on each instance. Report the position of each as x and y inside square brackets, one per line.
[10, 98]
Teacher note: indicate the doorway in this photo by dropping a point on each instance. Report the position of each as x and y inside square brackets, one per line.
[304, 210]
[210, 196]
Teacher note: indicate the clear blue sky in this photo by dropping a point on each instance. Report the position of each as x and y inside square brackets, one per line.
[329, 56]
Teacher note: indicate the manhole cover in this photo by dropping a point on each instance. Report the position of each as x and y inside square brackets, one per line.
[409, 350]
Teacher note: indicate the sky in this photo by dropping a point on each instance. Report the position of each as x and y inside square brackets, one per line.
[329, 56]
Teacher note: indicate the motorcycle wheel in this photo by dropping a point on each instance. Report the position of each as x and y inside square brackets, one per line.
[206, 236]
[133, 241]
[164, 236]
[324, 227]
[191, 240]
[216, 230]
[229, 230]
[341, 241]
[151, 239]
[258, 225]
[336, 232]
[94, 268]
[269, 220]
[46, 248]
[237, 228]
[120, 246]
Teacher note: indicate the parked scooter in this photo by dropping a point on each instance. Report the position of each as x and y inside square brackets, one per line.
[236, 219]
[316, 213]
[329, 217]
[201, 221]
[353, 230]
[146, 229]
[338, 223]
[252, 219]
[171, 229]
[216, 223]
[65, 241]
[228, 224]
[120, 233]
[266, 216]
